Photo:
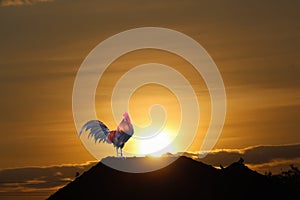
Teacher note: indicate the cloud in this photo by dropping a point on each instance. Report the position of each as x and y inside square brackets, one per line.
[38, 180]
[262, 158]
[43, 181]
[21, 2]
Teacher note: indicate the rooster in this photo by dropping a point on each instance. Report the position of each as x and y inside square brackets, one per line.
[117, 137]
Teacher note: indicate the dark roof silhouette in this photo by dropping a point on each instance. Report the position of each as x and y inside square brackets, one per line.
[183, 179]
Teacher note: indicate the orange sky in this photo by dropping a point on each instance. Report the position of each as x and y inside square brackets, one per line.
[254, 44]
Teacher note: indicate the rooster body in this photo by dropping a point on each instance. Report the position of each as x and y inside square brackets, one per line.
[101, 133]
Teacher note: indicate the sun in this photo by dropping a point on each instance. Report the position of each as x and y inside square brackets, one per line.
[156, 145]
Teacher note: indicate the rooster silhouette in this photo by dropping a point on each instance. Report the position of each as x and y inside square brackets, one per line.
[117, 137]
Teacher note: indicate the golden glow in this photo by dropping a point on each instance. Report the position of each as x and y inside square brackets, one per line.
[157, 145]
[153, 94]
[257, 55]
[140, 105]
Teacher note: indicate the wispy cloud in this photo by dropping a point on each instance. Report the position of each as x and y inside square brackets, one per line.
[38, 181]
[21, 2]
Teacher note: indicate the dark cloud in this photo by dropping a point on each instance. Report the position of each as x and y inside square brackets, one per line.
[38, 180]
[262, 158]
[263, 154]
[42, 181]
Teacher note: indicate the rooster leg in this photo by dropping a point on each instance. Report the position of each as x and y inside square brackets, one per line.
[122, 155]
[117, 151]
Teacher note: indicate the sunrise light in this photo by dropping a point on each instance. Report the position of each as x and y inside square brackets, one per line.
[157, 145]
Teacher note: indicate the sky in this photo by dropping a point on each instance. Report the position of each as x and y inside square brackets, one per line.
[255, 45]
